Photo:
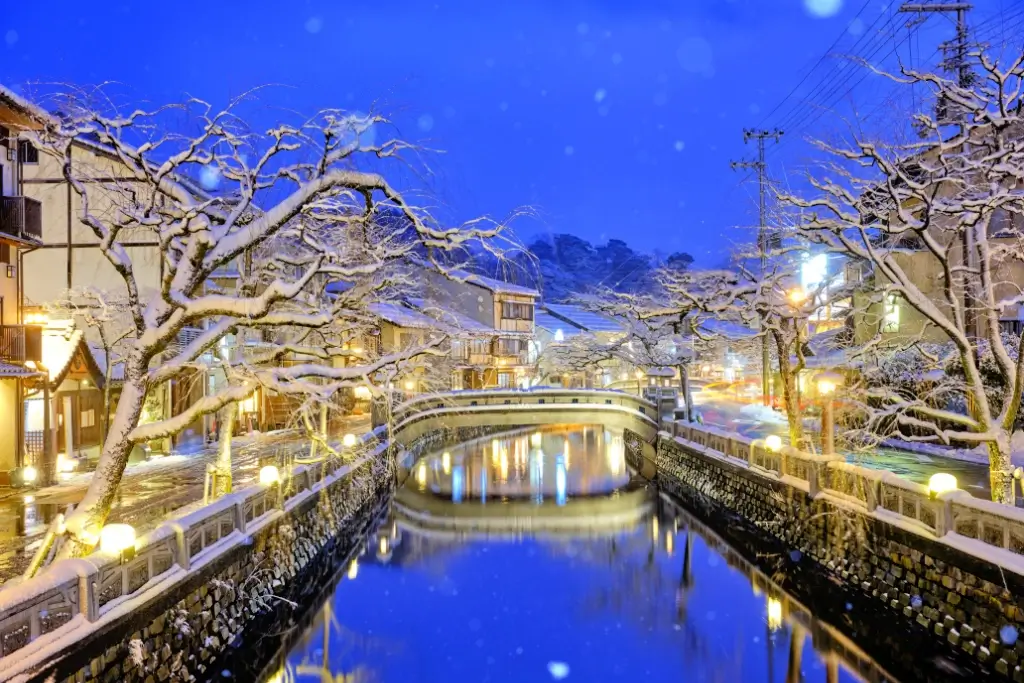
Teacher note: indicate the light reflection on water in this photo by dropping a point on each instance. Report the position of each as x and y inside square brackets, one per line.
[588, 575]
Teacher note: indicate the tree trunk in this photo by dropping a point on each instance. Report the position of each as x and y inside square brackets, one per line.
[227, 431]
[1000, 469]
[84, 524]
[789, 396]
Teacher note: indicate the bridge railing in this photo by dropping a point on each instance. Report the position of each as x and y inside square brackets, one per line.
[463, 400]
[878, 492]
[99, 584]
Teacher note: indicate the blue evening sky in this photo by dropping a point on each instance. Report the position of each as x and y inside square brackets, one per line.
[610, 118]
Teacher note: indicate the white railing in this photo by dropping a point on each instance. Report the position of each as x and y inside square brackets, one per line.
[950, 516]
[71, 592]
[504, 398]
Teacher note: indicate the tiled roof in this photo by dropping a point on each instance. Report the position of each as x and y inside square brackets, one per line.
[496, 286]
[8, 370]
[553, 324]
[457, 320]
[403, 316]
[588, 320]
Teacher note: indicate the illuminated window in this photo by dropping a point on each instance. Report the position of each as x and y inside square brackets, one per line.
[892, 315]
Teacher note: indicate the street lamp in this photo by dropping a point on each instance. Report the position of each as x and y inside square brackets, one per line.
[941, 482]
[772, 443]
[828, 382]
[797, 295]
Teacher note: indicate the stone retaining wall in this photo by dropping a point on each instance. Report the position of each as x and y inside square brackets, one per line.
[963, 594]
[193, 630]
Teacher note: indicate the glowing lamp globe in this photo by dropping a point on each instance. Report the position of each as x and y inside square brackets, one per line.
[116, 538]
[941, 482]
[269, 474]
[828, 382]
[29, 474]
[349, 440]
[535, 439]
[773, 442]
[774, 614]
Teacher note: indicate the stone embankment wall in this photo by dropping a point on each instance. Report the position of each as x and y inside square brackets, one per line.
[948, 567]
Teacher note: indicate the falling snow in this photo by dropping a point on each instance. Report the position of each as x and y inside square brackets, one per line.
[314, 25]
[425, 122]
[600, 94]
[569, 151]
[558, 670]
[696, 56]
[11, 37]
[679, 145]
[823, 8]
[209, 177]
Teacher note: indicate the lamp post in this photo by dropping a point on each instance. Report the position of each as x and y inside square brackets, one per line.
[827, 384]
[772, 442]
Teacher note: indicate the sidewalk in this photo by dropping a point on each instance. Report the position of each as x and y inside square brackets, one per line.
[149, 490]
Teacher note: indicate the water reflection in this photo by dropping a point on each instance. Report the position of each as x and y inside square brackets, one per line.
[614, 583]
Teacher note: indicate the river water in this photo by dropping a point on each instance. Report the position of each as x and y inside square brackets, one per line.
[539, 556]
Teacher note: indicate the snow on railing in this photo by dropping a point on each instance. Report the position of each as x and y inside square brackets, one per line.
[74, 591]
[885, 494]
[456, 400]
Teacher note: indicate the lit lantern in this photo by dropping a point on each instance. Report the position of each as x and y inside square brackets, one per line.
[410, 385]
[349, 440]
[773, 442]
[941, 483]
[117, 538]
[353, 569]
[269, 475]
[774, 614]
[29, 474]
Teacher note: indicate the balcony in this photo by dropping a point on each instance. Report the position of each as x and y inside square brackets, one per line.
[21, 217]
[21, 343]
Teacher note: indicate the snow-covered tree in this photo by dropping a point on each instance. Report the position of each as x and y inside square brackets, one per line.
[937, 220]
[265, 281]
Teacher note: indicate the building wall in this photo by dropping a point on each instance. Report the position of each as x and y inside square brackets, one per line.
[51, 271]
[9, 289]
[9, 407]
[471, 300]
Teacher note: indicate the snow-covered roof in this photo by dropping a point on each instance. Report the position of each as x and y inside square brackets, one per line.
[403, 316]
[22, 106]
[8, 370]
[496, 286]
[726, 329]
[455, 319]
[553, 325]
[581, 317]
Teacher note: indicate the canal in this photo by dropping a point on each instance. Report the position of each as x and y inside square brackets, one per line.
[539, 556]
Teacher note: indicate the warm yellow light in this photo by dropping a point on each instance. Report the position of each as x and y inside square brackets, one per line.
[421, 474]
[116, 538]
[654, 528]
[535, 439]
[773, 442]
[383, 545]
[410, 385]
[705, 368]
[65, 464]
[504, 466]
[828, 382]
[797, 295]
[29, 500]
[353, 569]
[446, 462]
[85, 383]
[362, 393]
[36, 319]
[639, 374]
[941, 482]
[357, 349]
[670, 543]
[774, 614]
[495, 445]
[349, 440]
[269, 474]
[29, 474]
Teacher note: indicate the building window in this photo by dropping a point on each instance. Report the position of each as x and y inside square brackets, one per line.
[27, 152]
[513, 311]
[505, 379]
[459, 350]
[481, 347]
[5, 253]
[511, 347]
[891, 323]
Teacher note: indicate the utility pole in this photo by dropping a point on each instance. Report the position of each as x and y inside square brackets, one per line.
[957, 63]
[764, 240]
